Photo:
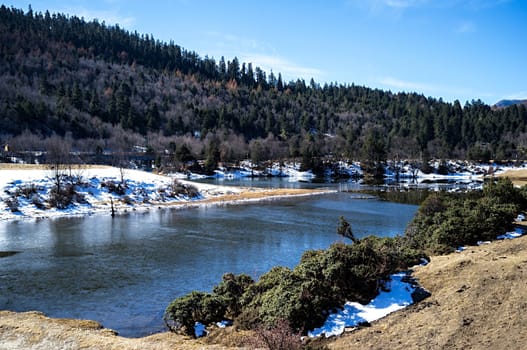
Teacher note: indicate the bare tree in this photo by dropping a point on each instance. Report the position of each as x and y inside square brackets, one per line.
[58, 159]
[344, 229]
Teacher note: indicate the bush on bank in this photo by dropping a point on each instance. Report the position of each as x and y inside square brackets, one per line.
[447, 221]
[304, 295]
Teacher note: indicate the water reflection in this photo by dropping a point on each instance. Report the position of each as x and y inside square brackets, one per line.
[124, 271]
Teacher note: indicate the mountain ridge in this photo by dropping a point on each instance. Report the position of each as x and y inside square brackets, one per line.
[506, 103]
[103, 89]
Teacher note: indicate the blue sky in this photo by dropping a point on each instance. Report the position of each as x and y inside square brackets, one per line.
[454, 49]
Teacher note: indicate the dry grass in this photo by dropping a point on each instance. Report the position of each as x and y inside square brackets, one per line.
[517, 176]
[16, 166]
[478, 302]
[33, 330]
[257, 194]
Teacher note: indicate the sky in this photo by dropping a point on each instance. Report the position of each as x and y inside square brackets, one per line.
[449, 49]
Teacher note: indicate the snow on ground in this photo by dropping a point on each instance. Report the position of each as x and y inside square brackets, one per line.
[518, 232]
[142, 190]
[397, 296]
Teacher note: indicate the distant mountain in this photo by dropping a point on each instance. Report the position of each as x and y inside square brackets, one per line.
[507, 103]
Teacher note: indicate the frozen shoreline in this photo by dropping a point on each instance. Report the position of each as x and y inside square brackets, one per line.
[143, 192]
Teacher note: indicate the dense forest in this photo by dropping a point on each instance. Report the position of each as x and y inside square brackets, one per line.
[101, 89]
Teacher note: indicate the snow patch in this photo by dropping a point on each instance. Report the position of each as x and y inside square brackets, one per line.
[397, 296]
[518, 232]
[199, 330]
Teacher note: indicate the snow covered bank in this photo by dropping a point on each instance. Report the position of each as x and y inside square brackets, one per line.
[397, 295]
[30, 191]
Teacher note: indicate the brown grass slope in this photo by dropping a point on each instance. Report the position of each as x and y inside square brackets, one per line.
[479, 301]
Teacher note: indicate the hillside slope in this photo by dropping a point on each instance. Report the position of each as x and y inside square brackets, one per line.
[102, 88]
[478, 302]
[507, 103]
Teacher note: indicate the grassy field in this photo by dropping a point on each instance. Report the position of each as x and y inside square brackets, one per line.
[517, 176]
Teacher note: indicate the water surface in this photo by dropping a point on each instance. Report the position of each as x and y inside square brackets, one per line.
[123, 272]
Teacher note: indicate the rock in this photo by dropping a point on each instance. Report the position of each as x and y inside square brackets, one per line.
[420, 294]
[5, 254]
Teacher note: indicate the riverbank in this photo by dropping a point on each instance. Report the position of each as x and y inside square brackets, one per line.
[477, 302]
[26, 190]
[518, 176]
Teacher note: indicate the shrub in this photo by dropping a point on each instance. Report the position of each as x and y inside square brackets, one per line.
[127, 200]
[275, 297]
[27, 191]
[183, 313]
[231, 289]
[62, 197]
[503, 191]
[12, 203]
[113, 187]
[179, 189]
[445, 222]
[278, 337]
[37, 201]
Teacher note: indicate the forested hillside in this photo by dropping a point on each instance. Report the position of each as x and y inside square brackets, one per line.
[103, 89]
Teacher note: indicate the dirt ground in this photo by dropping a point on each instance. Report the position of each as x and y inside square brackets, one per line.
[517, 176]
[479, 301]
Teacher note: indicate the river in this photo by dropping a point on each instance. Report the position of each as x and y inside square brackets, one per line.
[124, 271]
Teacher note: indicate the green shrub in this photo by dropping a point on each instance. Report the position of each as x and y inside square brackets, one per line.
[183, 313]
[231, 289]
[444, 221]
[502, 191]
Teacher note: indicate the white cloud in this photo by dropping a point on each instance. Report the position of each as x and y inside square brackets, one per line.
[404, 3]
[400, 5]
[109, 17]
[260, 54]
[407, 85]
[483, 4]
[446, 92]
[289, 70]
[237, 43]
[379, 5]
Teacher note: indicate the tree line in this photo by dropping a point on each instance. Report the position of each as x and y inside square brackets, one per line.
[105, 88]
